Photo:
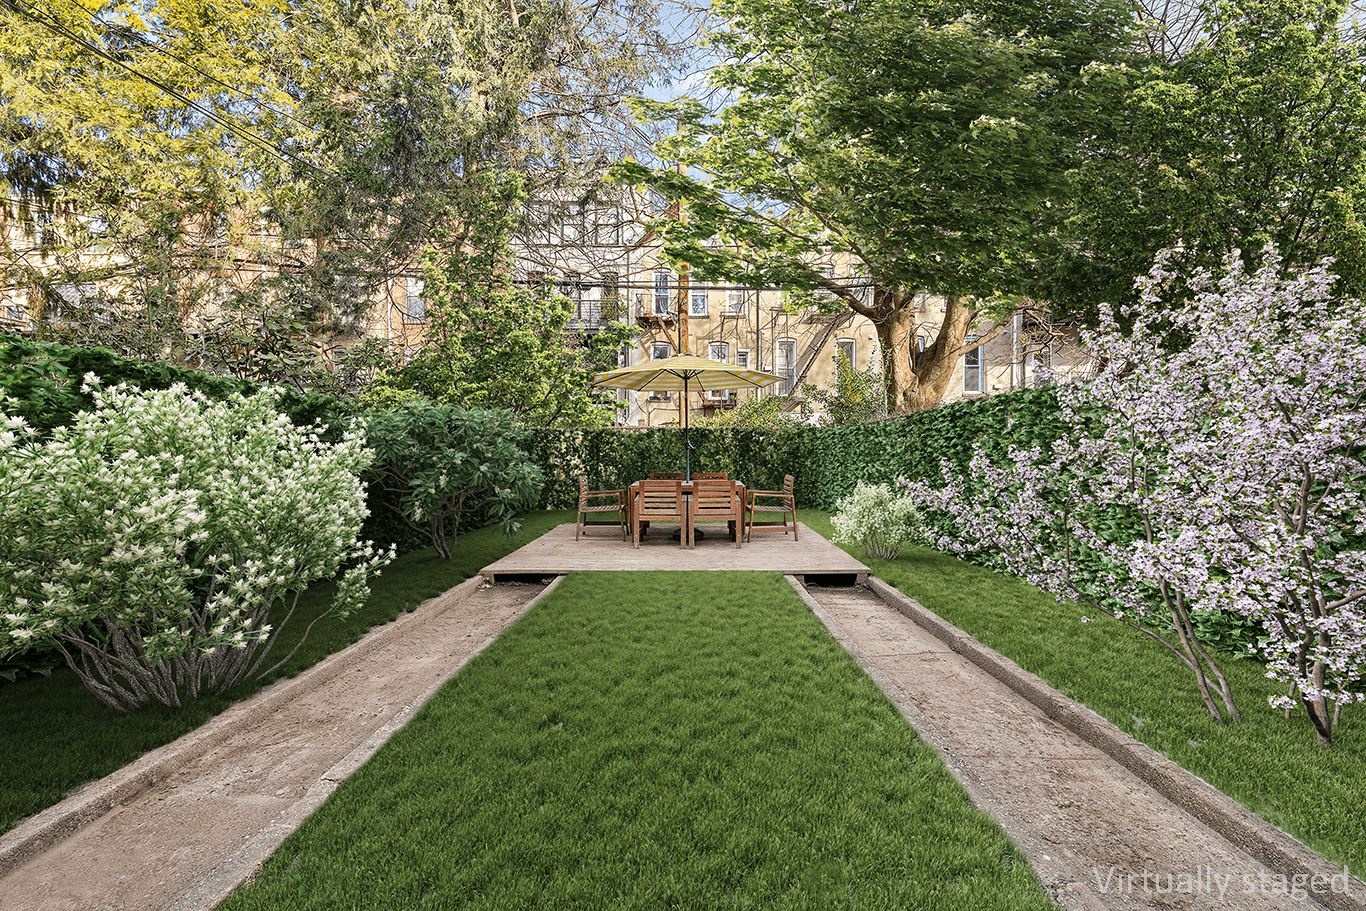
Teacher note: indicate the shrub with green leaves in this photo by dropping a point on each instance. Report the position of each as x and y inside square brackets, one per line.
[438, 462]
[879, 519]
[150, 539]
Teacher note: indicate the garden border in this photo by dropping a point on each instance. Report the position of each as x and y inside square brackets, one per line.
[1255, 836]
[48, 827]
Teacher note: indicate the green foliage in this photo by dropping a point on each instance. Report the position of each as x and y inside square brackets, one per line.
[911, 446]
[927, 142]
[753, 413]
[878, 519]
[279, 164]
[1256, 136]
[440, 461]
[858, 396]
[496, 346]
[44, 380]
[613, 458]
[150, 540]
[71, 738]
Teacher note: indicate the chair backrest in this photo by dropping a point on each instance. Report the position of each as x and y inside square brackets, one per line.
[660, 498]
[716, 497]
[666, 476]
[709, 476]
[788, 481]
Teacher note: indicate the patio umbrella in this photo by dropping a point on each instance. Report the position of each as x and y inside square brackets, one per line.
[683, 373]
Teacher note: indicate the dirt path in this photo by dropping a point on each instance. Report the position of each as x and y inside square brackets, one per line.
[1097, 835]
[190, 820]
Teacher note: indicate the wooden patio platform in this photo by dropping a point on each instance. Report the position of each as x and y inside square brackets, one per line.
[601, 548]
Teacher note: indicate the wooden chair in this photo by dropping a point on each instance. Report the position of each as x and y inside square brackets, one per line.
[715, 500]
[785, 505]
[612, 501]
[666, 476]
[709, 476]
[660, 501]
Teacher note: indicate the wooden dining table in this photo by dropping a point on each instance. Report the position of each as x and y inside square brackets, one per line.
[633, 493]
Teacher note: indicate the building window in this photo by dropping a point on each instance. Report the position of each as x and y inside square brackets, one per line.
[719, 351]
[973, 368]
[922, 300]
[846, 348]
[414, 304]
[662, 294]
[785, 365]
[697, 303]
[659, 351]
[735, 303]
[742, 359]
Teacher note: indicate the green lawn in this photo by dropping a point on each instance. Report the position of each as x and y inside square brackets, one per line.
[1270, 764]
[68, 738]
[650, 740]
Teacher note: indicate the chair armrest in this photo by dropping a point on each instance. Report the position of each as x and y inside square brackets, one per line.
[780, 494]
[618, 495]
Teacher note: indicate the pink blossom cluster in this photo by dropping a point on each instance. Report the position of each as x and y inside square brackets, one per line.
[1213, 464]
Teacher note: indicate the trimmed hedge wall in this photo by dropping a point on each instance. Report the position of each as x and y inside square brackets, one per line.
[827, 462]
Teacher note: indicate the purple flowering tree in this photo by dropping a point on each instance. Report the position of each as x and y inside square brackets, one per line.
[1213, 465]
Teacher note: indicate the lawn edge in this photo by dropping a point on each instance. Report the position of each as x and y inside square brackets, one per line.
[55, 823]
[244, 865]
[1273, 847]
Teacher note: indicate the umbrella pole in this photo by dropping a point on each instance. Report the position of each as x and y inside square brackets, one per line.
[687, 449]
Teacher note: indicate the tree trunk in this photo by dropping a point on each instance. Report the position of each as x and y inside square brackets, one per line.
[917, 380]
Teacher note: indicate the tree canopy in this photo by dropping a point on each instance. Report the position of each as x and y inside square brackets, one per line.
[282, 160]
[927, 142]
[1255, 135]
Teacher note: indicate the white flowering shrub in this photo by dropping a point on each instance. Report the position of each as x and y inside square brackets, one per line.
[879, 519]
[150, 540]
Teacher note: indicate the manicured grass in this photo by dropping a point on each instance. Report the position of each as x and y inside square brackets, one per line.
[650, 740]
[61, 737]
[1270, 764]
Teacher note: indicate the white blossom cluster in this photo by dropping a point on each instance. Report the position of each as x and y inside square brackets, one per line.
[1214, 464]
[878, 518]
[150, 539]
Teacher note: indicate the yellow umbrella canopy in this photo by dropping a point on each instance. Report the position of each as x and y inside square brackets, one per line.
[683, 373]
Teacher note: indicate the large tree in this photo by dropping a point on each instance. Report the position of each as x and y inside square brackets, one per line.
[1253, 134]
[928, 142]
[284, 160]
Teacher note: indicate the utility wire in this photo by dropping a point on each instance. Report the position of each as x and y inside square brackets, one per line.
[138, 36]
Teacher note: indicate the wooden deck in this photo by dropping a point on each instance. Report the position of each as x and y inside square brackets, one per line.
[601, 548]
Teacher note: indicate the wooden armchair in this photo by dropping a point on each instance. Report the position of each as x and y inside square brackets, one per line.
[778, 501]
[609, 501]
[715, 501]
[660, 501]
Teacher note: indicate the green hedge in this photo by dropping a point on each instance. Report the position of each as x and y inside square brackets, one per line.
[614, 458]
[828, 462]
